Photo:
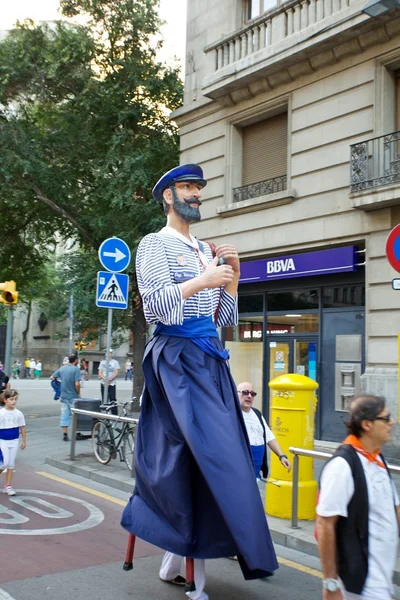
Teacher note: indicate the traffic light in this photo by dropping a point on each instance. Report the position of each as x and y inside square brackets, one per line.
[9, 294]
[81, 345]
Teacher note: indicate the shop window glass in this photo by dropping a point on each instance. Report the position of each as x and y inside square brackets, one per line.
[301, 299]
[336, 297]
[292, 323]
[244, 343]
[251, 304]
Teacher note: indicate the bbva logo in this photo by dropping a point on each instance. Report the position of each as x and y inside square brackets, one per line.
[280, 266]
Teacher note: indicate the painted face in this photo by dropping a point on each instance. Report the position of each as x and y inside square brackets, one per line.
[186, 200]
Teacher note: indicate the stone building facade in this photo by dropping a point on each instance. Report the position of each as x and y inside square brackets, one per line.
[292, 110]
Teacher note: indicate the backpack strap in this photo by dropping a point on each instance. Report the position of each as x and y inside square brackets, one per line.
[259, 417]
[264, 466]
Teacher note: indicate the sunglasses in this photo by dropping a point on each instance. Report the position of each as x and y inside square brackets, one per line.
[386, 418]
[248, 393]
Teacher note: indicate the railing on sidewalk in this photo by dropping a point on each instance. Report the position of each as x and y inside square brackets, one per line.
[320, 456]
[99, 416]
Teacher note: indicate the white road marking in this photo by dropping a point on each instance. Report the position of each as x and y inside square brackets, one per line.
[95, 517]
[5, 596]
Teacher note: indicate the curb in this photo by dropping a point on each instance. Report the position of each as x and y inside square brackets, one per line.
[93, 475]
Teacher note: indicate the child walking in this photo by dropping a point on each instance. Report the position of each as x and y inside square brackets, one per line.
[12, 423]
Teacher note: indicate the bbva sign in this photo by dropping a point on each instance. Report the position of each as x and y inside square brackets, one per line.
[280, 266]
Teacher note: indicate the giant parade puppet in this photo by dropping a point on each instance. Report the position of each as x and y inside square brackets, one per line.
[195, 494]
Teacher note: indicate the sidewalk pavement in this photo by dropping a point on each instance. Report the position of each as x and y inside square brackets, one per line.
[117, 476]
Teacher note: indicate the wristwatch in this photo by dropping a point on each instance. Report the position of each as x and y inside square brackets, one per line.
[283, 456]
[331, 585]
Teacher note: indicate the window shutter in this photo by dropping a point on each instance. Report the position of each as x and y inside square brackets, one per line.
[265, 149]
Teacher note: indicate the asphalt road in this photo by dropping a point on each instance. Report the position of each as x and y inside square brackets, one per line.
[61, 537]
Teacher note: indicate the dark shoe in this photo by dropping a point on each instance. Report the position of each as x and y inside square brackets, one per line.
[178, 580]
[65, 437]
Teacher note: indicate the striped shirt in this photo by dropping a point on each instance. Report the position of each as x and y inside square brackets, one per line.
[163, 262]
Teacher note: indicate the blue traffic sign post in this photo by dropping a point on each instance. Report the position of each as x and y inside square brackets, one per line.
[393, 256]
[114, 255]
[112, 287]
[112, 290]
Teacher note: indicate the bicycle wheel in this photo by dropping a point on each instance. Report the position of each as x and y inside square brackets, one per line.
[101, 442]
[128, 448]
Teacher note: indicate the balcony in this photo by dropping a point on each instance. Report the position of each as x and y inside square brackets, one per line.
[375, 172]
[290, 41]
[261, 188]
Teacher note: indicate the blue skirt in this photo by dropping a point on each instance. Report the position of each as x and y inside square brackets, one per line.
[195, 492]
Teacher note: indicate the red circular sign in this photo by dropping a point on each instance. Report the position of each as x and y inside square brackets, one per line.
[393, 248]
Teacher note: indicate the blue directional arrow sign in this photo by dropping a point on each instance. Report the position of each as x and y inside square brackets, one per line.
[114, 255]
[112, 290]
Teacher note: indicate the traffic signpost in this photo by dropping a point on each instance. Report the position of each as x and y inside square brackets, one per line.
[112, 287]
[114, 255]
[393, 255]
[112, 290]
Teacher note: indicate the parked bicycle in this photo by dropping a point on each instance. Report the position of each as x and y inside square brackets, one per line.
[112, 438]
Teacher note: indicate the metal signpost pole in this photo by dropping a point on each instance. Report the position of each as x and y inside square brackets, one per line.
[71, 324]
[7, 362]
[112, 288]
[109, 332]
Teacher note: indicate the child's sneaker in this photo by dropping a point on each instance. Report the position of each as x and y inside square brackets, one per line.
[9, 491]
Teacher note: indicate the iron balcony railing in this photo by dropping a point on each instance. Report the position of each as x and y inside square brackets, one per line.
[261, 188]
[375, 163]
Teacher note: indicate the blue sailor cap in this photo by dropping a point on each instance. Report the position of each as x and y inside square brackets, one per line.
[182, 173]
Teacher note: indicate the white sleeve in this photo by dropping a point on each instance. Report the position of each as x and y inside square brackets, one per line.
[229, 312]
[162, 299]
[337, 488]
[269, 436]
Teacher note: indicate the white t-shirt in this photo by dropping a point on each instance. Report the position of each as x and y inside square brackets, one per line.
[11, 418]
[254, 429]
[337, 489]
[113, 366]
[38, 366]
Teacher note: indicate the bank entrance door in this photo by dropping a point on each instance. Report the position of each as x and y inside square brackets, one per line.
[293, 355]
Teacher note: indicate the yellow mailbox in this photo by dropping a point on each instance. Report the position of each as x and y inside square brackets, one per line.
[293, 407]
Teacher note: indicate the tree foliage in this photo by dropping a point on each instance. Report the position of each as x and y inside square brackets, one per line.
[84, 134]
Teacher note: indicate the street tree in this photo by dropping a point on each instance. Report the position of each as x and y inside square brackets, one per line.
[84, 134]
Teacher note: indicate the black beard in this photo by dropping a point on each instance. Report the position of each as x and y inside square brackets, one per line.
[184, 210]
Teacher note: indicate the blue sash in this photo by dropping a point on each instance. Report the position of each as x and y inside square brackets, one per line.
[199, 330]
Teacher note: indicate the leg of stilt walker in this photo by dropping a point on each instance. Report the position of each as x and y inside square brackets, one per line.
[128, 564]
[190, 586]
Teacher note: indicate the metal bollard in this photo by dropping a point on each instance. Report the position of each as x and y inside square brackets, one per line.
[295, 491]
[73, 436]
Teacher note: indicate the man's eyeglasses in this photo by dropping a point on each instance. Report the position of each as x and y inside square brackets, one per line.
[385, 418]
[248, 393]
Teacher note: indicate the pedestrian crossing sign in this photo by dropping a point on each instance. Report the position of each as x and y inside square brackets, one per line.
[112, 290]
